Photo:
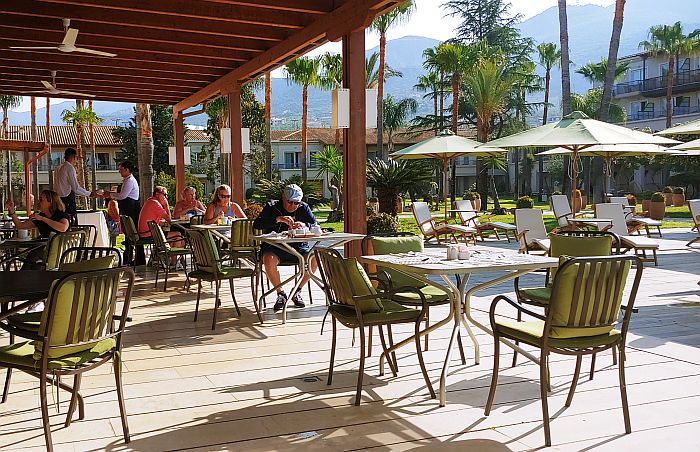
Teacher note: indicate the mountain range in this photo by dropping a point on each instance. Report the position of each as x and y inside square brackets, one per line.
[589, 34]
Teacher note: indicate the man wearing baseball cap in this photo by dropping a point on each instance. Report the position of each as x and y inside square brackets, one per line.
[280, 215]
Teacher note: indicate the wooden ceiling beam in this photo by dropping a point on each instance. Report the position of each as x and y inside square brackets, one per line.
[57, 60]
[121, 45]
[64, 80]
[199, 10]
[141, 22]
[100, 73]
[110, 96]
[100, 30]
[352, 15]
[305, 6]
[32, 85]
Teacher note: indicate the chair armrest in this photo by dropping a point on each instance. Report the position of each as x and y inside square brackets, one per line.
[519, 307]
[394, 291]
[118, 317]
[565, 215]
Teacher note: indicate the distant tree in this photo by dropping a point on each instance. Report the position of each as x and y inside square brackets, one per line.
[162, 127]
[549, 57]
[565, 74]
[431, 86]
[144, 128]
[595, 72]
[79, 117]
[372, 71]
[482, 20]
[396, 114]
[589, 103]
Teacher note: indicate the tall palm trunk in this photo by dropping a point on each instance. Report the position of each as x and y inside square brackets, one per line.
[435, 112]
[456, 83]
[93, 152]
[547, 81]
[380, 99]
[145, 149]
[80, 158]
[7, 155]
[304, 157]
[268, 125]
[565, 78]
[482, 135]
[442, 98]
[669, 90]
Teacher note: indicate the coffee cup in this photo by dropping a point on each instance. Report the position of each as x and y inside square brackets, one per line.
[23, 234]
[464, 255]
[316, 230]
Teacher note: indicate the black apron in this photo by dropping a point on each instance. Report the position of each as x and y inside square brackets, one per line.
[132, 208]
[71, 208]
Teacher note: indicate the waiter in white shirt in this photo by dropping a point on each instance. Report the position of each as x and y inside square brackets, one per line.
[65, 183]
[128, 200]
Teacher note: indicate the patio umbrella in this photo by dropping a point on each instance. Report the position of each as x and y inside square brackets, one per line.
[576, 132]
[690, 149]
[689, 128]
[609, 152]
[444, 147]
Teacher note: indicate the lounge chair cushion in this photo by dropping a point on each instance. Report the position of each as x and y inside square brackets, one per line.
[639, 242]
[24, 354]
[543, 244]
[501, 225]
[645, 221]
[531, 332]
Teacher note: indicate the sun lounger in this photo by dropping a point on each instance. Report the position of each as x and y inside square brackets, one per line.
[431, 228]
[638, 243]
[530, 231]
[469, 217]
[634, 222]
[694, 205]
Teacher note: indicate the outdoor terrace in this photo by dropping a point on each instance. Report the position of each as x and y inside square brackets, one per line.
[248, 386]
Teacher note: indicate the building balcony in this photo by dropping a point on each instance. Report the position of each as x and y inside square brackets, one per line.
[282, 166]
[677, 111]
[684, 81]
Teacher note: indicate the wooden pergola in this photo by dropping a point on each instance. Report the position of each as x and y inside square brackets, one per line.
[185, 53]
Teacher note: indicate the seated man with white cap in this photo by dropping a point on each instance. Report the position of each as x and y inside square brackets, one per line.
[289, 212]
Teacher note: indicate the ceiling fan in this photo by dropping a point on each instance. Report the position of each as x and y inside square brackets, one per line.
[68, 44]
[51, 89]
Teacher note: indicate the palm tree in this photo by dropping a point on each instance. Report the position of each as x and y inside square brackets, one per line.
[80, 117]
[217, 111]
[7, 102]
[304, 71]
[394, 177]
[671, 41]
[372, 71]
[488, 87]
[589, 103]
[492, 164]
[381, 24]
[144, 145]
[332, 78]
[611, 71]
[549, 56]
[457, 60]
[433, 61]
[595, 72]
[431, 86]
[565, 75]
[329, 163]
[395, 115]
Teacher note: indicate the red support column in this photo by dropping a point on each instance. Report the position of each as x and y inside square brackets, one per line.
[179, 132]
[236, 162]
[354, 140]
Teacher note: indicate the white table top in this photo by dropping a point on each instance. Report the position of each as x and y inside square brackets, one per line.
[215, 227]
[330, 236]
[483, 260]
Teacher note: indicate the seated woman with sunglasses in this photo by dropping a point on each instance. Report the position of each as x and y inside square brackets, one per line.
[221, 206]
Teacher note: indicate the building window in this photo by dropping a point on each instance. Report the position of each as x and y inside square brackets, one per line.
[636, 75]
[291, 160]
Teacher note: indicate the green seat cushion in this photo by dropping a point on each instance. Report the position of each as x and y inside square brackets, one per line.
[433, 295]
[28, 321]
[361, 286]
[225, 273]
[391, 312]
[179, 251]
[98, 263]
[388, 245]
[531, 332]
[23, 354]
[538, 296]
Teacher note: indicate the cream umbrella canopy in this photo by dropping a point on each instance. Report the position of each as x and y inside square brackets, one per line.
[690, 149]
[689, 128]
[444, 147]
[576, 132]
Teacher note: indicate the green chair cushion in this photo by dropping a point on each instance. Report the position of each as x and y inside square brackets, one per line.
[98, 263]
[179, 251]
[23, 354]
[226, 273]
[361, 285]
[531, 332]
[433, 295]
[391, 312]
[567, 245]
[538, 296]
[388, 245]
[28, 321]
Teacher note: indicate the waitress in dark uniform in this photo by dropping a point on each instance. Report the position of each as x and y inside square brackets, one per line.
[129, 205]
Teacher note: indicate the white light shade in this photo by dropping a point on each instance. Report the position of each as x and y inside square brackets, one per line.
[245, 140]
[172, 156]
[371, 108]
[225, 140]
[340, 101]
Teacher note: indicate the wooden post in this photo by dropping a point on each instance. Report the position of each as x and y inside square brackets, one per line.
[354, 140]
[236, 163]
[179, 132]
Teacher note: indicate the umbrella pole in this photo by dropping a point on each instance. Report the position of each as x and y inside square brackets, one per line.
[574, 176]
[444, 187]
[606, 176]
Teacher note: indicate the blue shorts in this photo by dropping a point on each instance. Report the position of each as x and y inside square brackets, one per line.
[284, 256]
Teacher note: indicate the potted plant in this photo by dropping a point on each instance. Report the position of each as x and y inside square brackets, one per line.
[475, 198]
[631, 199]
[657, 206]
[524, 202]
[578, 202]
[678, 197]
[584, 199]
[373, 203]
[668, 195]
[646, 200]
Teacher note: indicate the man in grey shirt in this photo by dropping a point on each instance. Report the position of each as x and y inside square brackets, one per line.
[65, 183]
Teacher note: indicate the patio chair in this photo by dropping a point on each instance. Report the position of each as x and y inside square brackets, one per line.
[164, 251]
[582, 319]
[355, 303]
[635, 223]
[389, 279]
[694, 206]
[530, 231]
[56, 245]
[637, 243]
[469, 217]
[90, 233]
[85, 253]
[132, 234]
[431, 228]
[562, 211]
[77, 333]
[242, 246]
[209, 267]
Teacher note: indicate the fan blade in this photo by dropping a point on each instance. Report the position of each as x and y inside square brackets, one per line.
[70, 37]
[47, 85]
[35, 92]
[94, 52]
[73, 93]
[34, 48]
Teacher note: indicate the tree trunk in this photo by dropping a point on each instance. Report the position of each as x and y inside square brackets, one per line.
[94, 158]
[456, 82]
[669, 91]
[547, 80]
[565, 80]
[388, 199]
[48, 140]
[482, 131]
[435, 110]
[7, 156]
[80, 158]
[304, 106]
[380, 99]
[268, 126]
[527, 173]
[145, 150]
[442, 100]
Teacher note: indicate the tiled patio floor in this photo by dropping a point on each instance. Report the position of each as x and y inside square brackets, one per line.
[248, 386]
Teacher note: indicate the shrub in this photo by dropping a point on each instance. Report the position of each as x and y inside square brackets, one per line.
[658, 197]
[471, 195]
[556, 193]
[667, 189]
[252, 209]
[631, 199]
[524, 202]
[646, 195]
[168, 181]
[678, 191]
[373, 199]
[382, 222]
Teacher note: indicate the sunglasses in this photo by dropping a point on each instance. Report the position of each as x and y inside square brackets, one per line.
[224, 196]
[294, 203]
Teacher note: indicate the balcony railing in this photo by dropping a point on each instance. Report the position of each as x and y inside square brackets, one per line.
[279, 166]
[657, 85]
[644, 115]
[100, 166]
